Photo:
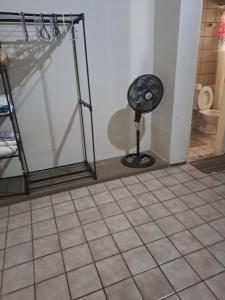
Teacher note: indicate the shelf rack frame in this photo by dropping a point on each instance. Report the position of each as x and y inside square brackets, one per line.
[86, 169]
[13, 118]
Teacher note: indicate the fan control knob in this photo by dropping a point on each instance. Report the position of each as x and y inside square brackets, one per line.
[148, 96]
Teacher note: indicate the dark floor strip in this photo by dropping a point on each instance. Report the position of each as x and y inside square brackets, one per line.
[211, 164]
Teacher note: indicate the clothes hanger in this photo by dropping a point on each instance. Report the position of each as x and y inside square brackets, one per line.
[54, 27]
[43, 31]
[37, 27]
[64, 24]
[24, 26]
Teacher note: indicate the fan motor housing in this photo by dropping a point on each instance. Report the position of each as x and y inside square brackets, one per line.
[145, 93]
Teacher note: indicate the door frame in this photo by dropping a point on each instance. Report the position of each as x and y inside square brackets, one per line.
[220, 134]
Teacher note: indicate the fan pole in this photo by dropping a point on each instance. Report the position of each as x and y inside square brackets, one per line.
[137, 160]
[137, 120]
[138, 140]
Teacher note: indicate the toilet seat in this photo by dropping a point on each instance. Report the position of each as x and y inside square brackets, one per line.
[205, 98]
[211, 112]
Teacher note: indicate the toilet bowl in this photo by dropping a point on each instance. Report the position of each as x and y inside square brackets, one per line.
[209, 117]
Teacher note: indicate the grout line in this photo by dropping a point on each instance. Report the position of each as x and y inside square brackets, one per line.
[61, 252]
[157, 265]
[143, 182]
[120, 253]
[20, 289]
[143, 207]
[93, 261]
[188, 229]
[159, 239]
[184, 256]
[32, 243]
[165, 298]
[175, 247]
[4, 256]
[91, 293]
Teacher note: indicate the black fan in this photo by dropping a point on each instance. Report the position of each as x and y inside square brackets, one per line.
[144, 95]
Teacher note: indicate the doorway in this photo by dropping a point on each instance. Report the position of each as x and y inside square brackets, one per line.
[207, 127]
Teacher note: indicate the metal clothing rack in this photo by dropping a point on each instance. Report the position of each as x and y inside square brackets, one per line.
[19, 153]
[67, 173]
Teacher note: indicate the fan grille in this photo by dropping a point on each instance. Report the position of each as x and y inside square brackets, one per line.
[145, 93]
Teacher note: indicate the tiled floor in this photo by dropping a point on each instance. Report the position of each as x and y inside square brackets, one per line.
[201, 145]
[159, 235]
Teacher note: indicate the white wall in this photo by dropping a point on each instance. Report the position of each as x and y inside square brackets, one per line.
[165, 55]
[176, 42]
[189, 32]
[120, 36]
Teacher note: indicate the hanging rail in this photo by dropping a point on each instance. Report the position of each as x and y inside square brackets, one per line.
[62, 18]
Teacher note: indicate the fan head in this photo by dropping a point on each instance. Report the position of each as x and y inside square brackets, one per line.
[145, 93]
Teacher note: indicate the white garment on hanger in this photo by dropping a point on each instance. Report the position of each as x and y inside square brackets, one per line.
[6, 143]
[9, 150]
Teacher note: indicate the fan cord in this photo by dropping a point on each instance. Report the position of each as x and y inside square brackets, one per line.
[138, 126]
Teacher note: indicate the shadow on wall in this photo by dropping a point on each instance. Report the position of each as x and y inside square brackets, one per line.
[27, 59]
[32, 60]
[121, 129]
[65, 135]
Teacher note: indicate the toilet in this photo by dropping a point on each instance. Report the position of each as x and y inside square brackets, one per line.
[203, 103]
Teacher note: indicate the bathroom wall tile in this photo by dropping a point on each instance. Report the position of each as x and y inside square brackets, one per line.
[200, 55]
[197, 79]
[211, 15]
[212, 67]
[198, 68]
[211, 79]
[204, 14]
[207, 43]
[206, 55]
[202, 29]
[209, 30]
[203, 79]
[205, 3]
[205, 68]
[201, 42]
[218, 14]
[214, 55]
[215, 43]
[212, 3]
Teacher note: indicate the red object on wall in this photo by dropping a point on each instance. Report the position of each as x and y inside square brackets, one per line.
[220, 30]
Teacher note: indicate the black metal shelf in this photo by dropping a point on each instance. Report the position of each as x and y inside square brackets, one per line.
[12, 186]
[4, 115]
[61, 174]
[19, 153]
[9, 156]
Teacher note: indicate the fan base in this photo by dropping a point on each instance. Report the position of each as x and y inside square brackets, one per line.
[138, 160]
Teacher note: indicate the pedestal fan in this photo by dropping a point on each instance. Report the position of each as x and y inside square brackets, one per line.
[144, 95]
